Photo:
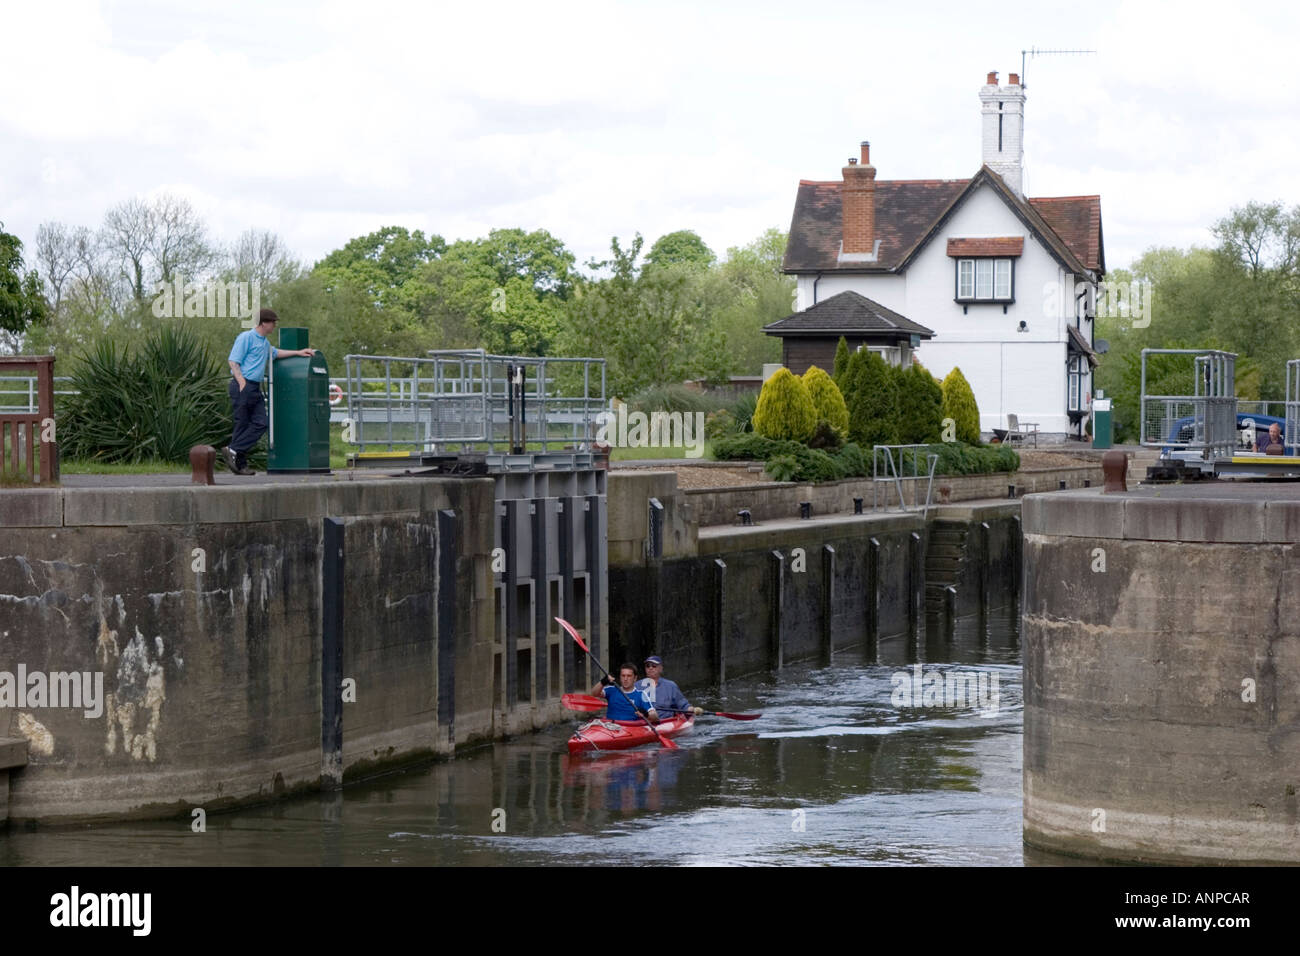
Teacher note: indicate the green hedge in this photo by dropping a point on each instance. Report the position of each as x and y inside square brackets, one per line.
[802, 463]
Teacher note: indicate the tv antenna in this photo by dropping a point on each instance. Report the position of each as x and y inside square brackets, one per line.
[1034, 51]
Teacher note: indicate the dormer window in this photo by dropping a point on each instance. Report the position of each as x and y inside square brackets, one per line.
[985, 280]
[986, 268]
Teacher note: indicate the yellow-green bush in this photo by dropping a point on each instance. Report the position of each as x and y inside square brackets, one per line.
[959, 405]
[827, 400]
[785, 408]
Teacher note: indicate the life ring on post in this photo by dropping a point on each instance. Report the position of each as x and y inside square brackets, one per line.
[336, 393]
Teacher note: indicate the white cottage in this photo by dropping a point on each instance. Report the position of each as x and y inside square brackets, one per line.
[1006, 283]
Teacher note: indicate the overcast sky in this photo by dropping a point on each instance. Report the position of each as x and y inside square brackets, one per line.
[326, 121]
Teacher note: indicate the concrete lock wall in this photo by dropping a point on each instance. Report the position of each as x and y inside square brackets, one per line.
[201, 611]
[1162, 659]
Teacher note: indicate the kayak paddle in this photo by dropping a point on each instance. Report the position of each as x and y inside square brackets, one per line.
[582, 702]
[716, 713]
[573, 633]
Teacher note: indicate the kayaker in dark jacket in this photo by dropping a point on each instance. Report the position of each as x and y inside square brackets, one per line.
[617, 706]
[666, 695]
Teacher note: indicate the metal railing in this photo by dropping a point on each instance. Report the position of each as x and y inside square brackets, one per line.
[20, 395]
[470, 400]
[896, 464]
[1291, 408]
[1202, 414]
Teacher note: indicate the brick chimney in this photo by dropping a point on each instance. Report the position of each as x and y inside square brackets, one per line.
[1002, 124]
[858, 209]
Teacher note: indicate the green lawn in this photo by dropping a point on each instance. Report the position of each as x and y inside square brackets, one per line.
[70, 466]
[636, 454]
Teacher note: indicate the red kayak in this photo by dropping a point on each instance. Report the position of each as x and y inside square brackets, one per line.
[623, 734]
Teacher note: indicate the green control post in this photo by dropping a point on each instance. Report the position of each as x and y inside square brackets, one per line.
[1102, 424]
[300, 410]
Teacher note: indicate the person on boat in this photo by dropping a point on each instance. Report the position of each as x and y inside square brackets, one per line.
[617, 697]
[1274, 438]
[663, 693]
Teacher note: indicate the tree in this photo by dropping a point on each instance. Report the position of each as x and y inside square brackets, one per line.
[785, 408]
[21, 300]
[178, 241]
[127, 235]
[381, 262]
[841, 361]
[261, 256]
[827, 400]
[872, 399]
[920, 406]
[959, 405]
[684, 248]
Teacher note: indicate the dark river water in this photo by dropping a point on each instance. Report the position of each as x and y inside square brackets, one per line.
[835, 772]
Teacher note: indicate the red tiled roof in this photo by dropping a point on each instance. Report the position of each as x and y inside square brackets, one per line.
[905, 210]
[908, 211]
[999, 246]
[1077, 220]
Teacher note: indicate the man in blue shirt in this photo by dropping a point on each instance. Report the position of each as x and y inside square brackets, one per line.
[248, 366]
[617, 698]
[666, 696]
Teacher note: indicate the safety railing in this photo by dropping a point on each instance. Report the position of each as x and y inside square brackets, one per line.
[470, 400]
[899, 465]
[1188, 401]
[28, 447]
[20, 394]
[1291, 413]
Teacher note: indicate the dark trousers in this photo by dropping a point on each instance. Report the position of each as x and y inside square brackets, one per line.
[249, 408]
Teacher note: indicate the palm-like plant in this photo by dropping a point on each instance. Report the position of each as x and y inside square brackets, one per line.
[152, 404]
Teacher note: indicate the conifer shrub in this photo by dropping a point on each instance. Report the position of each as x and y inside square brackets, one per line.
[872, 399]
[920, 406]
[959, 405]
[785, 408]
[827, 400]
[841, 361]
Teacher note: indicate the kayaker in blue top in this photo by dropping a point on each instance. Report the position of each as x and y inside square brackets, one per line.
[617, 697]
[663, 693]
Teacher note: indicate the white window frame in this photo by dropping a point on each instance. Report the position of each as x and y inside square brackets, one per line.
[965, 278]
[985, 279]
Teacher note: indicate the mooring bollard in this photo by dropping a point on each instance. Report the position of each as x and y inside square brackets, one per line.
[202, 458]
[745, 518]
[805, 510]
[1114, 465]
[1011, 491]
[1060, 485]
[857, 506]
[1087, 482]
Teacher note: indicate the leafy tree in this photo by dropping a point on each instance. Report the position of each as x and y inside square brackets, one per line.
[785, 408]
[380, 262]
[682, 248]
[959, 405]
[827, 400]
[21, 299]
[872, 400]
[920, 406]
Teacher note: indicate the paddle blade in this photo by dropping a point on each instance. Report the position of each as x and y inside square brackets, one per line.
[667, 744]
[573, 633]
[718, 713]
[582, 702]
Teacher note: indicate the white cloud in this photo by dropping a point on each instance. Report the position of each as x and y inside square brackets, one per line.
[593, 118]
